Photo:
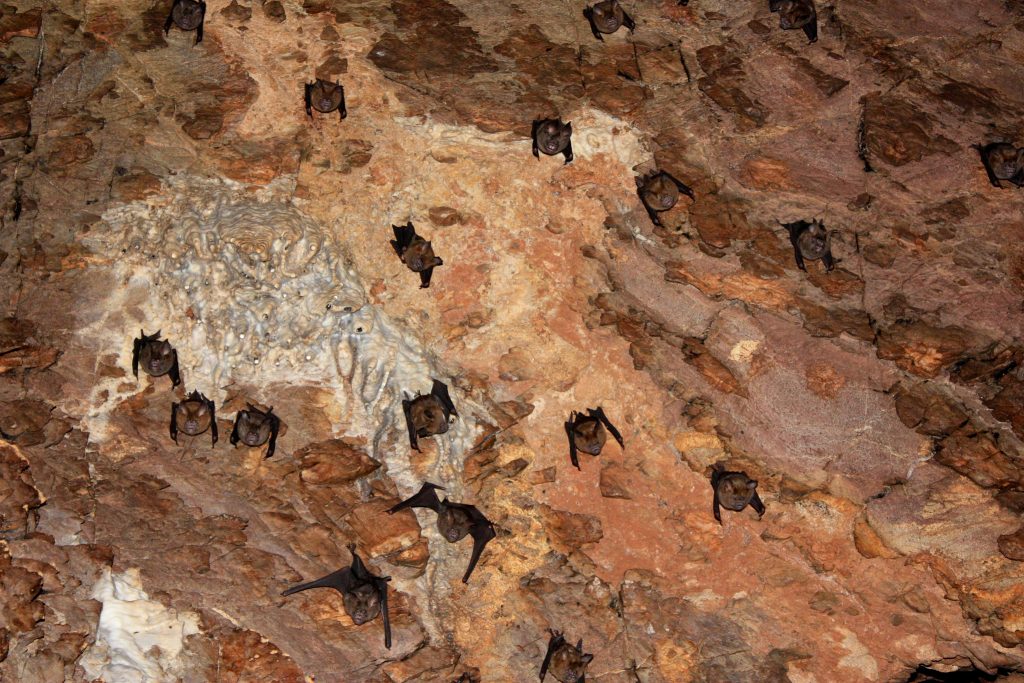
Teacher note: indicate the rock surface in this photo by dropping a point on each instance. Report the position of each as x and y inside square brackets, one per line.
[149, 183]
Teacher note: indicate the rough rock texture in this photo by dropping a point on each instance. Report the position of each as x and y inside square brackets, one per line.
[146, 183]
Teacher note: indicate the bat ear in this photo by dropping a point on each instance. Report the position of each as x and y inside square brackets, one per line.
[568, 126]
[586, 659]
[752, 484]
[579, 645]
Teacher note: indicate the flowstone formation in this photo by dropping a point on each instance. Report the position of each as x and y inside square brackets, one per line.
[149, 182]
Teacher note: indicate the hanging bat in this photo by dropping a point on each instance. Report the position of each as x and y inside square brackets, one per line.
[325, 97]
[253, 427]
[364, 594]
[810, 241]
[188, 15]
[795, 14]
[659, 191]
[607, 17]
[587, 433]
[734, 491]
[428, 415]
[416, 253]
[1002, 162]
[193, 416]
[158, 357]
[567, 664]
[454, 520]
[551, 136]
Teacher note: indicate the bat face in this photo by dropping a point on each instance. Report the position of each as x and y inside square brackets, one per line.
[660, 193]
[736, 490]
[419, 255]
[553, 136]
[187, 14]
[428, 416]
[193, 417]
[362, 604]
[324, 96]
[453, 524]
[156, 357]
[568, 664]
[589, 435]
[813, 241]
[795, 13]
[607, 16]
[1006, 162]
[254, 427]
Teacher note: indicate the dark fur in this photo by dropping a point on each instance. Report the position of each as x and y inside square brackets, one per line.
[810, 240]
[562, 659]
[182, 15]
[610, 10]
[996, 173]
[145, 347]
[192, 407]
[256, 419]
[726, 484]
[415, 252]
[794, 14]
[417, 412]
[590, 429]
[542, 132]
[330, 89]
[653, 187]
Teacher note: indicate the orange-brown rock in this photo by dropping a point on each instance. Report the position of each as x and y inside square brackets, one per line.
[334, 461]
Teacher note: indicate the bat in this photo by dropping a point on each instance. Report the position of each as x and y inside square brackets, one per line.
[415, 252]
[607, 17]
[567, 664]
[364, 594]
[659, 191]
[454, 520]
[551, 136]
[797, 14]
[734, 491]
[587, 433]
[193, 416]
[427, 415]
[188, 15]
[157, 356]
[253, 427]
[1002, 162]
[810, 241]
[325, 97]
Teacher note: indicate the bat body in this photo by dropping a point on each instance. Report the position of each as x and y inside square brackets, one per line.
[325, 97]
[415, 252]
[812, 241]
[734, 491]
[427, 415]
[193, 416]
[254, 427]
[587, 433]
[795, 14]
[659, 191]
[567, 663]
[156, 356]
[607, 17]
[551, 136]
[1002, 161]
[364, 594]
[188, 15]
[455, 521]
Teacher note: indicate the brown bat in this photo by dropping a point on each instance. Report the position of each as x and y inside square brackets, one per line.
[566, 663]
[325, 97]
[795, 14]
[734, 491]
[1002, 161]
[364, 594]
[551, 136]
[188, 15]
[587, 433]
[253, 427]
[810, 241]
[659, 191]
[157, 356]
[454, 520]
[193, 416]
[416, 253]
[607, 17]
[427, 415]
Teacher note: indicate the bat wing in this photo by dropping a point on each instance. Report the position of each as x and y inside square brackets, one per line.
[533, 135]
[308, 99]
[407, 409]
[340, 581]
[440, 390]
[174, 372]
[983, 151]
[275, 426]
[342, 112]
[599, 414]
[683, 187]
[202, 20]
[482, 532]
[170, 17]
[756, 503]
[404, 235]
[424, 498]
[174, 422]
[136, 349]
[567, 152]
[572, 439]
[234, 430]
[382, 590]
[425, 276]
[794, 235]
[554, 643]
[628, 22]
[811, 30]
[213, 422]
[589, 14]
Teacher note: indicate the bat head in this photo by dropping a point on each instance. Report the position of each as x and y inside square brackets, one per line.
[1005, 161]
[660, 193]
[589, 435]
[419, 256]
[553, 136]
[156, 357]
[254, 426]
[453, 523]
[607, 16]
[428, 416]
[325, 96]
[362, 603]
[193, 415]
[188, 14]
[736, 490]
[569, 664]
[813, 241]
[795, 13]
